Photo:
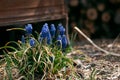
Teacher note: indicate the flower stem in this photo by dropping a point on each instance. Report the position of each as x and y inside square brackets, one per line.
[15, 29]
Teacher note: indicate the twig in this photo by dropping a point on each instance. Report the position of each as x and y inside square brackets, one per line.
[107, 52]
[115, 40]
[67, 30]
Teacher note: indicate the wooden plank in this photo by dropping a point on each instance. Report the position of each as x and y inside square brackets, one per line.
[30, 12]
[26, 11]
[23, 4]
[30, 19]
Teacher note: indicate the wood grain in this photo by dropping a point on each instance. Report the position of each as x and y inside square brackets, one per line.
[27, 11]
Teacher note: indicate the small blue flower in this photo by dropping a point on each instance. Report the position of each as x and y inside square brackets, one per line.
[61, 29]
[28, 28]
[64, 41]
[46, 24]
[23, 39]
[59, 25]
[59, 39]
[49, 39]
[32, 42]
[52, 30]
[44, 33]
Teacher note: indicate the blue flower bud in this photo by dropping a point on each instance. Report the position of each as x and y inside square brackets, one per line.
[28, 28]
[52, 30]
[60, 24]
[61, 29]
[64, 41]
[49, 39]
[23, 39]
[46, 24]
[44, 33]
[32, 42]
[59, 39]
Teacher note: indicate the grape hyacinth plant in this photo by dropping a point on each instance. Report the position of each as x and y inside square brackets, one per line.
[42, 56]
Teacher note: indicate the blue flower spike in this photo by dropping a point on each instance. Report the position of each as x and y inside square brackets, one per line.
[52, 30]
[44, 31]
[45, 34]
[45, 26]
[61, 29]
[29, 28]
[23, 39]
[49, 39]
[59, 25]
[59, 39]
[64, 42]
[32, 42]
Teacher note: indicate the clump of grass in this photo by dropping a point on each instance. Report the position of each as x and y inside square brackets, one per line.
[93, 74]
[44, 56]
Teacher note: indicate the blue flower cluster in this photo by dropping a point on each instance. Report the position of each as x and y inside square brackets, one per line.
[48, 34]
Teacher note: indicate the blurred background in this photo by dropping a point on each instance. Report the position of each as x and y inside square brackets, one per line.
[96, 18]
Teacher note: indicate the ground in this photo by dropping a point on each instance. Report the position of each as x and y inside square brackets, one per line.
[89, 58]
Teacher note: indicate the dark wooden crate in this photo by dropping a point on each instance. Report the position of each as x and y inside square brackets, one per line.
[28, 11]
